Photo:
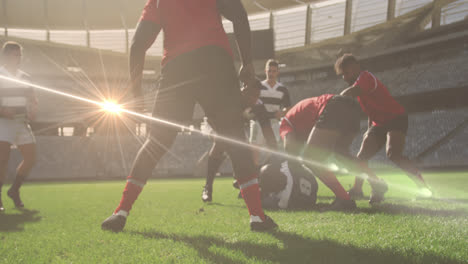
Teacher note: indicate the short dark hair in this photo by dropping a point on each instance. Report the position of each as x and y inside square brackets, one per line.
[271, 179]
[272, 62]
[343, 61]
[10, 45]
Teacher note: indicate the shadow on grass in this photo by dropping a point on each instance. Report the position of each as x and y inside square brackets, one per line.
[15, 222]
[385, 208]
[294, 249]
[389, 208]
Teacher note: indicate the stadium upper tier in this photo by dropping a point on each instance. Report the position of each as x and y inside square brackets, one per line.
[84, 23]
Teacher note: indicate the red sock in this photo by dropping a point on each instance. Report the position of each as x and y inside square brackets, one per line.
[132, 189]
[252, 197]
[330, 180]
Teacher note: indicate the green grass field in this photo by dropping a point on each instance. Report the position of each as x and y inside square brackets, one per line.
[170, 224]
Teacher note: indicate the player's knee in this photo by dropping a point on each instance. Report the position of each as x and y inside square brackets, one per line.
[363, 156]
[161, 138]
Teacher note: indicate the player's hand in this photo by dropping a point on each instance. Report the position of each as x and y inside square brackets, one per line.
[247, 73]
[279, 114]
[248, 114]
[7, 113]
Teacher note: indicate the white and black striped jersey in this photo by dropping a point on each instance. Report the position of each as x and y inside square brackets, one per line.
[275, 98]
[14, 95]
[300, 190]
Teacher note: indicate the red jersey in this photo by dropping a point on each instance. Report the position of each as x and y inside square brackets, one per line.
[302, 117]
[187, 25]
[376, 101]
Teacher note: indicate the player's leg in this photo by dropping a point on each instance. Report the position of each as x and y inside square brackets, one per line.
[174, 103]
[372, 142]
[245, 171]
[222, 102]
[256, 138]
[4, 157]
[215, 159]
[379, 187]
[28, 151]
[27, 146]
[394, 149]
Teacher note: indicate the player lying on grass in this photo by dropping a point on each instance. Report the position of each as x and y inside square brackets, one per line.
[320, 126]
[387, 120]
[287, 185]
[197, 66]
[254, 110]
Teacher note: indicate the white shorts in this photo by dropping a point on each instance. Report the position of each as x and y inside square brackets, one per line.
[16, 132]
[256, 135]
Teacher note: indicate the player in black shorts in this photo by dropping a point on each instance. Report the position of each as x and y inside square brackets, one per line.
[197, 66]
[318, 127]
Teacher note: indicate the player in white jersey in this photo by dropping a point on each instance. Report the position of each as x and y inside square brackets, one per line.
[17, 107]
[275, 97]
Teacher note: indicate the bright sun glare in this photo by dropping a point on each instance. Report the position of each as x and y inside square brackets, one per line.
[111, 107]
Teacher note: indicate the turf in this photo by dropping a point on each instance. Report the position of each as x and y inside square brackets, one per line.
[170, 224]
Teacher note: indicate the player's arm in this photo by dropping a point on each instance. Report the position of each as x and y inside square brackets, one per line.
[285, 104]
[353, 91]
[145, 34]
[234, 11]
[291, 146]
[33, 106]
[32, 102]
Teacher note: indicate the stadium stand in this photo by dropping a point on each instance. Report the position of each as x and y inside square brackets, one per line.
[409, 57]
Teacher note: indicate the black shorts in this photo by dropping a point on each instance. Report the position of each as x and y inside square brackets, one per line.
[207, 76]
[399, 123]
[342, 114]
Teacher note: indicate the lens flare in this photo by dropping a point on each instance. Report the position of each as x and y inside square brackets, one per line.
[111, 107]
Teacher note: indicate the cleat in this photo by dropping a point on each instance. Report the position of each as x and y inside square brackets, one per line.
[265, 225]
[1, 205]
[424, 193]
[15, 196]
[114, 223]
[207, 194]
[342, 205]
[356, 194]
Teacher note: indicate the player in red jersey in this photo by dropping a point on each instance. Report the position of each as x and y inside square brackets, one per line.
[388, 121]
[320, 126]
[197, 66]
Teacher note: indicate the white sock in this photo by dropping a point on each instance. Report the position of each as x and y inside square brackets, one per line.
[122, 213]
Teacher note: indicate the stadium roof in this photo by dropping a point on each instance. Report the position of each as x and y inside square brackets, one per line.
[96, 14]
